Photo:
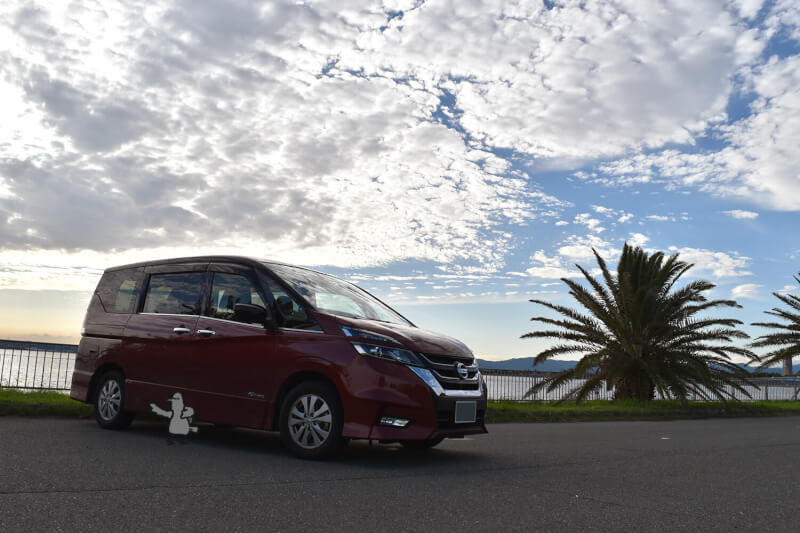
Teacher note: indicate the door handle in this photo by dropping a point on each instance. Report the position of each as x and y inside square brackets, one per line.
[206, 332]
[181, 331]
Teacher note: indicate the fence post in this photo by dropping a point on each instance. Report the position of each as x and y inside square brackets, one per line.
[766, 390]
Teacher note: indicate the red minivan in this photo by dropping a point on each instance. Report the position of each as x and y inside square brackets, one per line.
[261, 344]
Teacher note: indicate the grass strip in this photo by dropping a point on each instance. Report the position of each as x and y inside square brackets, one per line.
[508, 411]
[41, 403]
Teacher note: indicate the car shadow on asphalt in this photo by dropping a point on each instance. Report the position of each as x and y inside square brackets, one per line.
[452, 452]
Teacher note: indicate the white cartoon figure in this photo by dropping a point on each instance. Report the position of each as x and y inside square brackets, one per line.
[179, 416]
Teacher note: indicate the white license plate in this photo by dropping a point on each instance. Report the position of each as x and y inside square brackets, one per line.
[466, 412]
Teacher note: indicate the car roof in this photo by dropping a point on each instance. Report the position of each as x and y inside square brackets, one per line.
[245, 260]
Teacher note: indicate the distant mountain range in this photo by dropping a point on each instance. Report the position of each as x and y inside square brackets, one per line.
[526, 363]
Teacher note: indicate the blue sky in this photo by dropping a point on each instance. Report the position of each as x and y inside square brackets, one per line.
[454, 158]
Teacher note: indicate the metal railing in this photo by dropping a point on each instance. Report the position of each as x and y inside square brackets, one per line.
[514, 385]
[48, 366]
[36, 365]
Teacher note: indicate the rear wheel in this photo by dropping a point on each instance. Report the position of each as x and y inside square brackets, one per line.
[311, 421]
[109, 399]
[421, 444]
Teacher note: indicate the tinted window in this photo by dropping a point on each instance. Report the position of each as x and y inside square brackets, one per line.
[119, 290]
[228, 290]
[175, 294]
[288, 312]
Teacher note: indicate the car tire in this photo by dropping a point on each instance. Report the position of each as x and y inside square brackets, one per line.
[109, 400]
[421, 444]
[311, 421]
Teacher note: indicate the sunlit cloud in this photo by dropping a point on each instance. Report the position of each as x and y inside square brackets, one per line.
[741, 214]
[747, 290]
[718, 264]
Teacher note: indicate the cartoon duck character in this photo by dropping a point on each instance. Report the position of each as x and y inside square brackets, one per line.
[179, 416]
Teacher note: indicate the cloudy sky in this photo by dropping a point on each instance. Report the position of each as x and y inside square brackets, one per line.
[454, 157]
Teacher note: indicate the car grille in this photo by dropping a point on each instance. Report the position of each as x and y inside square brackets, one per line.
[445, 369]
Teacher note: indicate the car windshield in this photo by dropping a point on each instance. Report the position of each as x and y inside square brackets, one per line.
[337, 297]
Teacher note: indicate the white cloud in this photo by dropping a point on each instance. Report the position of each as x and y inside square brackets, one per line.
[739, 213]
[660, 218]
[549, 267]
[787, 288]
[625, 218]
[718, 264]
[386, 277]
[758, 162]
[307, 111]
[785, 16]
[251, 140]
[562, 223]
[748, 8]
[488, 297]
[556, 66]
[638, 239]
[592, 223]
[747, 290]
[578, 249]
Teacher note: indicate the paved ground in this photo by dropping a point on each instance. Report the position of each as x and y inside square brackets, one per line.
[720, 475]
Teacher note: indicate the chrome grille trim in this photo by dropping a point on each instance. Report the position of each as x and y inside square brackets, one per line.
[430, 380]
[449, 379]
[447, 373]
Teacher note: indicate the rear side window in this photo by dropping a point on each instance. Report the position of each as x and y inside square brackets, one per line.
[119, 290]
[175, 294]
[229, 290]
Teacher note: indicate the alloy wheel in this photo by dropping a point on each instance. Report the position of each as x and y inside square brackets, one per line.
[310, 421]
[109, 400]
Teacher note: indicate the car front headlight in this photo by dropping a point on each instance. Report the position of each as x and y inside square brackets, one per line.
[395, 355]
[364, 334]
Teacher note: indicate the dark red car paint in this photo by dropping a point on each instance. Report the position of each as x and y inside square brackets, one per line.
[239, 375]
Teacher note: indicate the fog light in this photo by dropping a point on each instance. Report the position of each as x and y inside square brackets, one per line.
[393, 421]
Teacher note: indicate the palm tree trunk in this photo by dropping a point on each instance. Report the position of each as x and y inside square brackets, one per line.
[642, 389]
[787, 367]
[623, 389]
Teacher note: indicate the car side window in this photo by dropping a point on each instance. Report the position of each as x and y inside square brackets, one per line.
[175, 294]
[288, 312]
[119, 290]
[227, 290]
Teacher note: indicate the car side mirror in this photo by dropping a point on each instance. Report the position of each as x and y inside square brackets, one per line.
[252, 313]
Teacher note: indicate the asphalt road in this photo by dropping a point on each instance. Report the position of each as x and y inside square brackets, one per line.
[718, 475]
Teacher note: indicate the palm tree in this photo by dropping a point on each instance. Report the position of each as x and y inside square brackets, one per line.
[639, 334]
[786, 340]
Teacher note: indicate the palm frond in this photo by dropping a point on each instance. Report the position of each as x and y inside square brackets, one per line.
[639, 333]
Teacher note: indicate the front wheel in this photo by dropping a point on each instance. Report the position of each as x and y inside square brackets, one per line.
[109, 398]
[311, 421]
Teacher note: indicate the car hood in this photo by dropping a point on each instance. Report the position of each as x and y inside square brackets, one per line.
[412, 338]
